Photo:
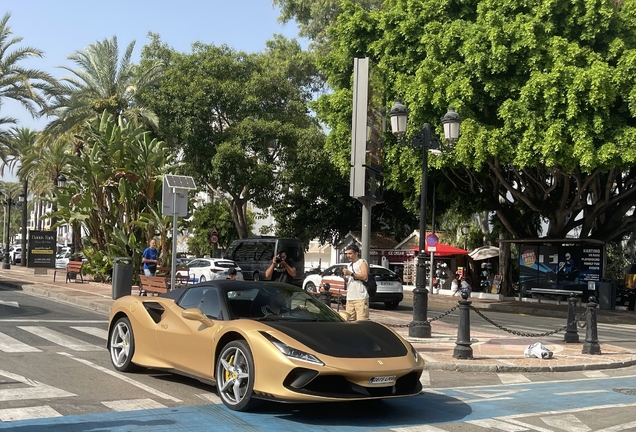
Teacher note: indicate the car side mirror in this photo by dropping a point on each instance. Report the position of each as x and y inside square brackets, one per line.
[195, 314]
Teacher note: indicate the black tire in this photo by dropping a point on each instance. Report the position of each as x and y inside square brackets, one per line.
[122, 346]
[235, 376]
[257, 276]
[202, 279]
[310, 287]
[390, 305]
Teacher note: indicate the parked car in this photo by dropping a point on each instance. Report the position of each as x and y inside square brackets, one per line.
[62, 259]
[390, 290]
[15, 254]
[206, 269]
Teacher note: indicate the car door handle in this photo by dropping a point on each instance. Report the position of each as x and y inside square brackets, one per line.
[164, 326]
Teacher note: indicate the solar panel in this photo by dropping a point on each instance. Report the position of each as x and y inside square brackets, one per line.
[180, 182]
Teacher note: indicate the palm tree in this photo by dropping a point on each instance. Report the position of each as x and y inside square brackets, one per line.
[103, 82]
[16, 150]
[27, 86]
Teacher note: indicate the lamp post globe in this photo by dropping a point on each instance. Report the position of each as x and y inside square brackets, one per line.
[420, 326]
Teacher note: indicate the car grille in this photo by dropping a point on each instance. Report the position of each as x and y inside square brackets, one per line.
[299, 380]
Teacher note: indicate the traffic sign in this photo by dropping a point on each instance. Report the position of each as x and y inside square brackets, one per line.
[214, 236]
[432, 240]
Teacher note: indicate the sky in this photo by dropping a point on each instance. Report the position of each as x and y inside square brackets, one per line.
[62, 27]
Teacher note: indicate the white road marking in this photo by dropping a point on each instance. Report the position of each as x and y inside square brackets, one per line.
[423, 428]
[618, 428]
[492, 424]
[12, 414]
[425, 379]
[9, 303]
[513, 378]
[459, 401]
[210, 397]
[61, 339]
[123, 378]
[35, 389]
[133, 405]
[528, 426]
[71, 321]
[494, 394]
[595, 374]
[11, 345]
[581, 392]
[567, 422]
[100, 333]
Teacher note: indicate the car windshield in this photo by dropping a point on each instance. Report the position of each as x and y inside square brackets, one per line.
[277, 302]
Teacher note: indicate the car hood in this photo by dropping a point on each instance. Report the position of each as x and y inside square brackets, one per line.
[361, 339]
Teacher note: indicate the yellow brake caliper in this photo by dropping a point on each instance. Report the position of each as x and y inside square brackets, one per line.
[228, 375]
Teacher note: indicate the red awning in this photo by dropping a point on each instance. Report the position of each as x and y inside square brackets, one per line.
[444, 250]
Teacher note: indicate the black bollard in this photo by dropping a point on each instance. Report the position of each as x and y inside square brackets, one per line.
[571, 334]
[325, 295]
[591, 345]
[463, 350]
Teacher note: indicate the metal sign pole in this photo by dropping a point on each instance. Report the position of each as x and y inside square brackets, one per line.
[175, 214]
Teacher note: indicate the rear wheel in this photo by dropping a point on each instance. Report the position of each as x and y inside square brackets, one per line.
[235, 376]
[122, 346]
[310, 287]
[257, 276]
[202, 279]
[391, 304]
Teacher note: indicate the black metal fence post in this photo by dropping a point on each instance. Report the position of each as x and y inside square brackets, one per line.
[591, 345]
[571, 334]
[463, 350]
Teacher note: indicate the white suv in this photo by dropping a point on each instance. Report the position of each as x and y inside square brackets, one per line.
[15, 254]
[390, 290]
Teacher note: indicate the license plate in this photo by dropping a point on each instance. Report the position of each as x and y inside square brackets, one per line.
[382, 380]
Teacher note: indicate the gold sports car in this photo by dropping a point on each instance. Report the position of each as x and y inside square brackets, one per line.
[262, 340]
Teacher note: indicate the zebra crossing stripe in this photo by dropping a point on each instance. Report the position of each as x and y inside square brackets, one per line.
[492, 425]
[10, 345]
[61, 339]
[33, 389]
[94, 331]
[133, 405]
[425, 379]
[27, 413]
[210, 397]
[512, 378]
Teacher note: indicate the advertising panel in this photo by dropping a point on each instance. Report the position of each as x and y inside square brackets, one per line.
[41, 249]
[566, 267]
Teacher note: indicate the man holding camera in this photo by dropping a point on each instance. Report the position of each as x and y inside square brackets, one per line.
[281, 269]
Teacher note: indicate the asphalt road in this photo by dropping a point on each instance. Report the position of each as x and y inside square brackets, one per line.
[55, 366]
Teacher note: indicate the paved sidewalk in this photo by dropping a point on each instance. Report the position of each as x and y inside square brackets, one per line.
[498, 351]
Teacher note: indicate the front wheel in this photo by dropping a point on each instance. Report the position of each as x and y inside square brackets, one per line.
[122, 346]
[256, 276]
[235, 376]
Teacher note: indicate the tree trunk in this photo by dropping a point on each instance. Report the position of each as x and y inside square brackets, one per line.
[505, 268]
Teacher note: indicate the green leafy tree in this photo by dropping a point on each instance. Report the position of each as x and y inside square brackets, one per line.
[103, 81]
[113, 189]
[29, 87]
[238, 118]
[546, 89]
[207, 216]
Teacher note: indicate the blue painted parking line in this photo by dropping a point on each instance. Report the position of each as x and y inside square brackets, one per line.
[434, 407]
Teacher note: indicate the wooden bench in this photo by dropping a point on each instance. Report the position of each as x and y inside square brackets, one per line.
[72, 270]
[555, 292]
[180, 280]
[153, 284]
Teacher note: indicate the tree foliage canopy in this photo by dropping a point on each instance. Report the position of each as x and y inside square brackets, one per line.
[547, 90]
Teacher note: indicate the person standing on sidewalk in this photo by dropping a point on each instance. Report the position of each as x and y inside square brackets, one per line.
[357, 296]
[150, 258]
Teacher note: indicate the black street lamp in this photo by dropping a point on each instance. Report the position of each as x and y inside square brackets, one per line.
[420, 327]
[23, 228]
[6, 263]
[465, 231]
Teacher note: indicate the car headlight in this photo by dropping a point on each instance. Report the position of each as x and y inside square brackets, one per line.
[293, 353]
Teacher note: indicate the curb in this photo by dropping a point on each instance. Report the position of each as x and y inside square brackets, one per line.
[490, 368]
